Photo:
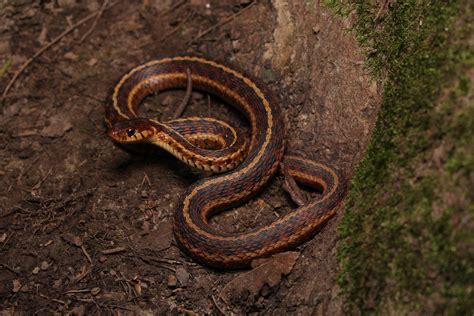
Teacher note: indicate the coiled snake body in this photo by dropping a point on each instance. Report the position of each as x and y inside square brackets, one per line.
[210, 195]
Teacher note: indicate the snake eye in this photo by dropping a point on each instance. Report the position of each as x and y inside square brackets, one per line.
[131, 132]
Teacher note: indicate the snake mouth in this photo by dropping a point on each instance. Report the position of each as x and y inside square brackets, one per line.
[130, 131]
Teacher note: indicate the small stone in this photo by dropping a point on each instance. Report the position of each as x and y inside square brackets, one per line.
[138, 287]
[46, 244]
[183, 276]
[146, 228]
[268, 53]
[44, 265]
[95, 291]
[236, 45]
[102, 259]
[43, 37]
[71, 56]
[172, 281]
[16, 285]
[91, 62]
[36, 270]
[3, 237]
[75, 240]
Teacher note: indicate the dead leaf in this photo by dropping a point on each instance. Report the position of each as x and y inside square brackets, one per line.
[95, 291]
[172, 281]
[157, 240]
[183, 276]
[74, 240]
[71, 56]
[113, 250]
[267, 271]
[43, 37]
[59, 125]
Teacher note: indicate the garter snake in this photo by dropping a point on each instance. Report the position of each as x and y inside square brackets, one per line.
[208, 196]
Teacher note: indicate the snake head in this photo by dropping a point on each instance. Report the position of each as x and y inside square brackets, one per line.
[132, 131]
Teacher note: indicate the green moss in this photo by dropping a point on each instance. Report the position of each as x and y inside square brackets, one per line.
[7, 63]
[404, 234]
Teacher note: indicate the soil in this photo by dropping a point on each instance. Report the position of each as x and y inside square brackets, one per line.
[86, 228]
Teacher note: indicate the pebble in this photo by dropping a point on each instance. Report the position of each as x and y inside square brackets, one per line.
[71, 56]
[92, 62]
[183, 276]
[172, 281]
[95, 291]
[44, 265]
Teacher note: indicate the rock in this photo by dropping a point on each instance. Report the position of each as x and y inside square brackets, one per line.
[44, 265]
[183, 276]
[172, 281]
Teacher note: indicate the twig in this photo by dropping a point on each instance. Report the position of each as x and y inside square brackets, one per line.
[86, 254]
[113, 250]
[217, 306]
[145, 178]
[161, 262]
[43, 49]
[84, 272]
[2, 265]
[381, 9]
[180, 109]
[6, 241]
[38, 185]
[52, 299]
[93, 98]
[165, 37]
[77, 291]
[177, 5]
[101, 11]
[226, 20]
[18, 179]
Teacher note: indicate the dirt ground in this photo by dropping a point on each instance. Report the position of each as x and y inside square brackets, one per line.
[86, 228]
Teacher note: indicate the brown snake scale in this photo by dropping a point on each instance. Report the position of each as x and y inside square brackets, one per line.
[260, 160]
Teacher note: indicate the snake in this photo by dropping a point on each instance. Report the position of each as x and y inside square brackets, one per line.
[241, 169]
